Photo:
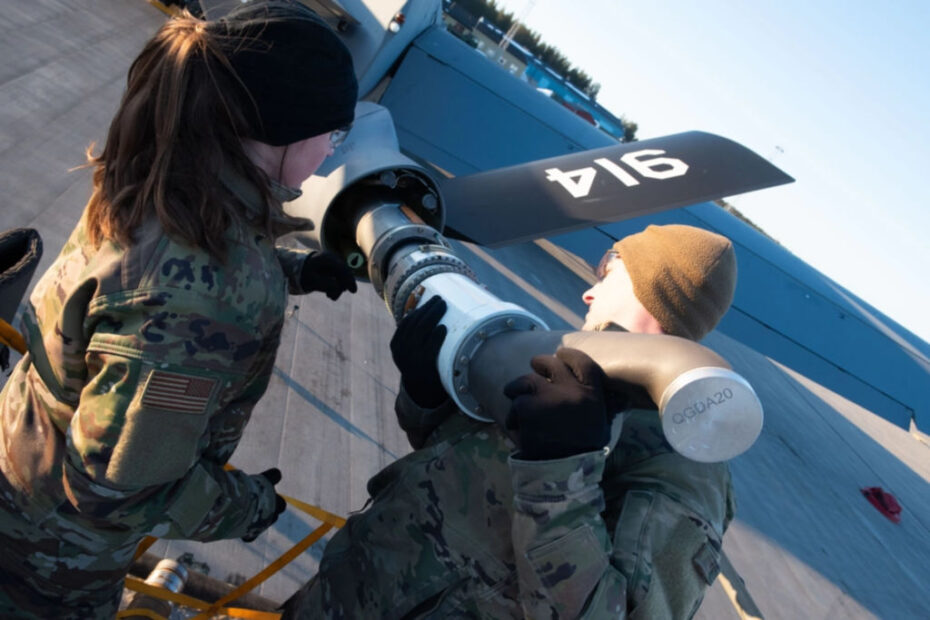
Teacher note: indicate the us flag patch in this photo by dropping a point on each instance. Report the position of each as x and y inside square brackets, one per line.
[171, 391]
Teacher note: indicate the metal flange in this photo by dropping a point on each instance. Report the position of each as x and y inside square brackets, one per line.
[413, 264]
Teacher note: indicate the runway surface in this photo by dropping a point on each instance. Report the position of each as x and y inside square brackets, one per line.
[805, 541]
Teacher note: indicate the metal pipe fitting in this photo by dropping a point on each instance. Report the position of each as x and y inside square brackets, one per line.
[473, 315]
[709, 413]
[410, 266]
[382, 228]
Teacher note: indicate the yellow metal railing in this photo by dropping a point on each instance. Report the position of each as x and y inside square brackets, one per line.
[12, 338]
[208, 610]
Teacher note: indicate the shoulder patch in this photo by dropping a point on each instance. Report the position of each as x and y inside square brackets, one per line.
[172, 391]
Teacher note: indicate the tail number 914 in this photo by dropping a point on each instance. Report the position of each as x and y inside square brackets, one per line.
[645, 163]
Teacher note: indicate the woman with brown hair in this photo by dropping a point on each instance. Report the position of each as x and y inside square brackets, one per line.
[154, 333]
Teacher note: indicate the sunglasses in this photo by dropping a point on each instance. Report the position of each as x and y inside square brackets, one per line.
[601, 270]
[338, 136]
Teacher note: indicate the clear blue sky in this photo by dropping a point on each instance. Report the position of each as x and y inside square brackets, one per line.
[835, 93]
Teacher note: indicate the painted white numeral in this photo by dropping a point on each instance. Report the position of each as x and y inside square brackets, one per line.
[649, 168]
[625, 177]
[577, 182]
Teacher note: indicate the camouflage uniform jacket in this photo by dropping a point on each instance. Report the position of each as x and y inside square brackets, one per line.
[461, 528]
[143, 366]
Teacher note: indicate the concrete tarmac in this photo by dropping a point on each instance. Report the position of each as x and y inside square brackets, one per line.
[805, 542]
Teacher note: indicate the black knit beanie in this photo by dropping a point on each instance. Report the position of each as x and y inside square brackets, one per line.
[298, 73]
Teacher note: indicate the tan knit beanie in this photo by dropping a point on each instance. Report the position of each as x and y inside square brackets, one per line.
[684, 276]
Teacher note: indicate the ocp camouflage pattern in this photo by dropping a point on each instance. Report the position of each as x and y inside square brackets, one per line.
[89, 465]
[460, 528]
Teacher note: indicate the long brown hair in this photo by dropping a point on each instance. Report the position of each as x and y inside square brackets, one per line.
[179, 124]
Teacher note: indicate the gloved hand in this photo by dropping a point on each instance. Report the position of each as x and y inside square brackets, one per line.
[415, 347]
[263, 522]
[327, 272]
[559, 410]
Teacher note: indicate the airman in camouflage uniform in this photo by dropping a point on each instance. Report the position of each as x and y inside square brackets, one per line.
[144, 365]
[154, 333]
[464, 527]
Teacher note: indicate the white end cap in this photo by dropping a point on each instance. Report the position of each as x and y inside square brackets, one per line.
[710, 414]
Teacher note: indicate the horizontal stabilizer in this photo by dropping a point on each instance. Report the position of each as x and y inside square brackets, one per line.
[578, 190]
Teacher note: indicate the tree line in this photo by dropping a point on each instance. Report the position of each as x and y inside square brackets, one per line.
[532, 41]
[548, 54]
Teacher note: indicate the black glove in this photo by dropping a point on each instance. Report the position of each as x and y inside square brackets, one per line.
[559, 410]
[327, 272]
[261, 524]
[415, 347]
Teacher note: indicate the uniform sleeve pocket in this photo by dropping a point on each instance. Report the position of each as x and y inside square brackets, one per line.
[570, 568]
[195, 499]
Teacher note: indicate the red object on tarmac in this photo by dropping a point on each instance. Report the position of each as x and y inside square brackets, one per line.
[884, 502]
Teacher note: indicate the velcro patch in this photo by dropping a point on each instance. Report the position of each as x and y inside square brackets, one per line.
[707, 563]
[171, 391]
